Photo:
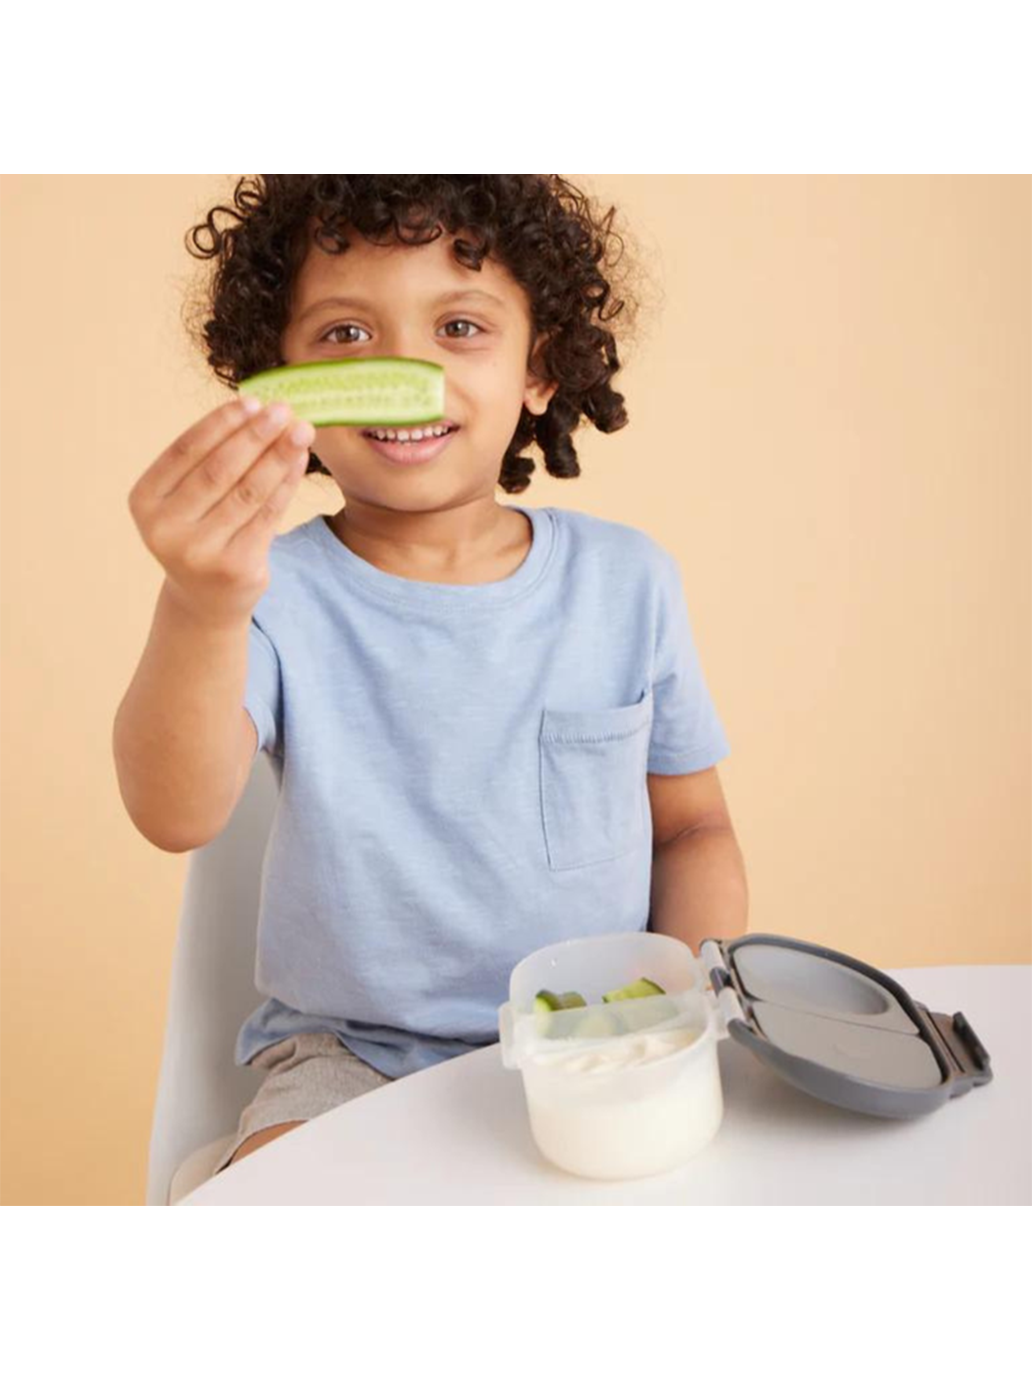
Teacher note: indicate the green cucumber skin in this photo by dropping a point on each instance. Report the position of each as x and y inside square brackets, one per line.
[547, 1001]
[613, 996]
[336, 392]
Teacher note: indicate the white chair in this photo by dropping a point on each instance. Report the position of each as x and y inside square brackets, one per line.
[201, 1091]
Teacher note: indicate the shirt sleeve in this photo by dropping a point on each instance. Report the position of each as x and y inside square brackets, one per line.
[687, 734]
[262, 697]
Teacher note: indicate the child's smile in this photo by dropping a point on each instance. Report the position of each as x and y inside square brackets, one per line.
[416, 446]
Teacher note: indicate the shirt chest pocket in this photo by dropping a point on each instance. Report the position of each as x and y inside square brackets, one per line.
[593, 782]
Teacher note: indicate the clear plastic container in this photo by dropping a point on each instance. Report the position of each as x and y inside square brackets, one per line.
[622, 1089]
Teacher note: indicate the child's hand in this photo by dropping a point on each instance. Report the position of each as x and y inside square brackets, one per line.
[207, 507]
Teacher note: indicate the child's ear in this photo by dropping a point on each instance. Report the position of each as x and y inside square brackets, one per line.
[539, 391]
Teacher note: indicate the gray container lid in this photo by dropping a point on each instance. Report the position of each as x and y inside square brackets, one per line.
[841, 1030]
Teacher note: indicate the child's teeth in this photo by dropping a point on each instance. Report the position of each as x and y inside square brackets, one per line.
[405, 436]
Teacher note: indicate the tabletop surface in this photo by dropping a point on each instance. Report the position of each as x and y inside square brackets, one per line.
[458, 1134]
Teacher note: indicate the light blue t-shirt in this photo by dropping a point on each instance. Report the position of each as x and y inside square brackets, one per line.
[461, 776]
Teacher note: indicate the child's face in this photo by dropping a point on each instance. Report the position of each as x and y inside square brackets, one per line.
[395, 308]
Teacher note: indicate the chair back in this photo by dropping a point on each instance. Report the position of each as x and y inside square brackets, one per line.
[201, 1091]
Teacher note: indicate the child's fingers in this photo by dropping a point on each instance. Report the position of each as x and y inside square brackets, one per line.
[237, 478]
[254, 536]
[243, 479]
[190, 448]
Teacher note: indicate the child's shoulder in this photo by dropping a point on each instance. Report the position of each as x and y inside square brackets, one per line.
[612, 539]
[292, 568]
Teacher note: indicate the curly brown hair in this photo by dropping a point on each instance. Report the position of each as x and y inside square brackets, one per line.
[550, 235]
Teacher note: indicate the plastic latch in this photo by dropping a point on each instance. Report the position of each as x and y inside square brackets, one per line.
[964, 1049]
[972, 1042]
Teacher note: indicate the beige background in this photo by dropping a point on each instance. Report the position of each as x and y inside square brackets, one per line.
[830, 428]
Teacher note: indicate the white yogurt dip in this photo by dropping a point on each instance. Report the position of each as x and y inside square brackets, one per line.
[626, 1107]
[629, 1051]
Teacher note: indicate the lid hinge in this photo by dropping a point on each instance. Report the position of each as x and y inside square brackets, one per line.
[727, 1000]
[713, 962]
[729, 1007]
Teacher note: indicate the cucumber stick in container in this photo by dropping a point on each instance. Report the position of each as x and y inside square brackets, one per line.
[354, 392]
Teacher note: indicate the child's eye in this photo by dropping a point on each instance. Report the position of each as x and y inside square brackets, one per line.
[349, 326]
[462, 321]
[334, 330]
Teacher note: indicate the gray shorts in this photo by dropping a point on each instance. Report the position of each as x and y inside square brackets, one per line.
[305, 1076]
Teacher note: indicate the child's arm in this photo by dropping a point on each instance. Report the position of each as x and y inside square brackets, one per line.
[699, 887]
[207, 510]
[183, 745]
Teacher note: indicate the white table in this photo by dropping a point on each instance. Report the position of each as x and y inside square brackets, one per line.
[458, 1134]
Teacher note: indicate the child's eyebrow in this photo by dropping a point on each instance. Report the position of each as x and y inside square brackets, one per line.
[363, 303]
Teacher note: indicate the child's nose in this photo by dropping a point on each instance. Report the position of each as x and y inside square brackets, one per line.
[406, 342]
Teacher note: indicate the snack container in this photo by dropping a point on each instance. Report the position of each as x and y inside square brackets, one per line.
[631, 1087]
[644, 1096]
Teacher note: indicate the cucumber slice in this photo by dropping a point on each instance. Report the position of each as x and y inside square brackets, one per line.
[636, 990]
[355, 392]
[547, 1003]
[598, 1024]
[548, 1000]
[636, 1015]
